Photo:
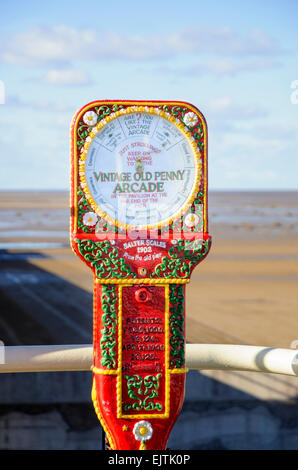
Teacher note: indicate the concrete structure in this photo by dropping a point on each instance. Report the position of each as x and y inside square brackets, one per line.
[222, 410]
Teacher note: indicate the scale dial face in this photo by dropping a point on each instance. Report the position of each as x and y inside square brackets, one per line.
[140, 169]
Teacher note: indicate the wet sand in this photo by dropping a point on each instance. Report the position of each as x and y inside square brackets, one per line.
[244, 292]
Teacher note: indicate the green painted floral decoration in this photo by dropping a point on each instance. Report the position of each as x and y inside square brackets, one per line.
[109, 320]
[105, 259]
[143, 390]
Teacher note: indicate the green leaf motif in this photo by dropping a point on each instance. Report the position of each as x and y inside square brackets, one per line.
[109, 320]
[142, 390]
[83, 207]
[105, 259]
[181, 258]
[176, 322]
[82, 133]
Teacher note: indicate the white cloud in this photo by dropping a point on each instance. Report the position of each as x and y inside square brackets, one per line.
[220, 66]
[62, 44]
[50, 45]
[219, 105]
[245, 148]
[223, 40]
[227, 67]
[249, 161]
[68, 76]
[38, 104]
[223, 107]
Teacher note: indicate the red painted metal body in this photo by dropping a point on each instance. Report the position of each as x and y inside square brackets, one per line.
[139, 287]
[143, 355]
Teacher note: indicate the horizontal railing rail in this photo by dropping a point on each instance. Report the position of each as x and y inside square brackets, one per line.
[198, 357]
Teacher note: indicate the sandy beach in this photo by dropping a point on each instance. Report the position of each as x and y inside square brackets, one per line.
[244, 292]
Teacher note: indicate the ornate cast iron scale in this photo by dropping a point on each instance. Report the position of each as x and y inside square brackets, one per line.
[139, 221]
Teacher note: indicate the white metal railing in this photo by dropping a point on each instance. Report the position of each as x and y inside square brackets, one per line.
[198, 356]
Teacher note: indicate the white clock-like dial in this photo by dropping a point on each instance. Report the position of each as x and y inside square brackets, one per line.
[141, 169]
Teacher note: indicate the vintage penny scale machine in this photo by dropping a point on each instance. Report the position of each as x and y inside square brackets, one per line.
[139, 221]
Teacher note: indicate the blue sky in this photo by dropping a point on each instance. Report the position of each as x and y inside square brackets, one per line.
[236, 62]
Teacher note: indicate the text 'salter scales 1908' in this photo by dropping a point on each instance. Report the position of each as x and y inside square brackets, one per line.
[139, 220]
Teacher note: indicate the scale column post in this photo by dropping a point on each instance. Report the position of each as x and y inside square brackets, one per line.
[139, 221]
